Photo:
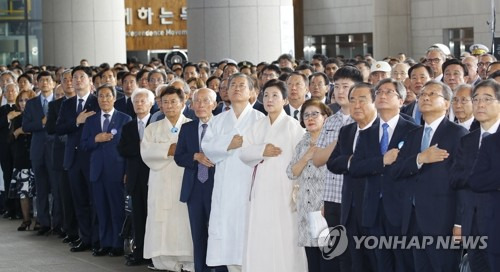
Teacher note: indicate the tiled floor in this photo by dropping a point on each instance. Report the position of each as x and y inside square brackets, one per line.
[24, 251]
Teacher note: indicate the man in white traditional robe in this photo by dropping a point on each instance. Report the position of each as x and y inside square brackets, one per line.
[222, 145]
[167, 241]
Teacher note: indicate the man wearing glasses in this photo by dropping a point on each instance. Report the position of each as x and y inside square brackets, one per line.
[423, 164]
[435, 59]
[482, 66]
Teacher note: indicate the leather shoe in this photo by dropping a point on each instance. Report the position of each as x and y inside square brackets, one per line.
[43, 231]
[75, 243]
[70, 239]
[101, 251]
[115, 252]
[135, 261]
[80, 247]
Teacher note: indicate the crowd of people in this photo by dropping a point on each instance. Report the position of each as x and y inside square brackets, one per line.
[227, 166]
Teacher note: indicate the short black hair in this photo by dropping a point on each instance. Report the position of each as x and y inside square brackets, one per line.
[106, 86]
[363, 85]
[320, 74]
[420, 65]
[45, 74]
[27, 76]
[278, 84]
[349, 72]
[321, 57]
[87, 70]
[272, 67]
[455, 62]
[488, 83]
[190, 64]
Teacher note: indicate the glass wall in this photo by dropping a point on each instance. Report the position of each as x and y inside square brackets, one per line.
[347, 45]
[20, 31]
[459, 39]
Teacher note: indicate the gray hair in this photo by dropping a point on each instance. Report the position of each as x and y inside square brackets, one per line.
[148, 93]
[241, 75]
[10, 73]
[491, 83]
[185, 88]
[211, 93]
[445, 89]
[400, 88]
[159, 89]
[437, 49]
[463, 86]
[16, 87]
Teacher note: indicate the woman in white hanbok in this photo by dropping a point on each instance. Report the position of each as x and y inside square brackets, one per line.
[272, 239]
[168, 234]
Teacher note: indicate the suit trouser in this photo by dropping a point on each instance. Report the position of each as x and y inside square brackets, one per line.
[387, 259]
[199, 206]
[139, 213]
[478, 258]
[432, 258]
[7, 169]
[494, 261]
[109, 203]
[332, 215]
[46, 185]
[82, 200]
[362, 259]
[69, 222]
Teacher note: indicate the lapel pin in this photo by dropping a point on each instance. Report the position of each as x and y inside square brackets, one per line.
[114, 131]
[400, 145]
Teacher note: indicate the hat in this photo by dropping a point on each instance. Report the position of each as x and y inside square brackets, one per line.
[380, 66]
[478, 49]
[242, 64]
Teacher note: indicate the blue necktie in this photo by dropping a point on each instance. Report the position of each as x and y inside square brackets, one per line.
[418, 115]
[80, 106]
[384, 142]
[202, 169]
[426, 139]
[45, 106]
[105, 124]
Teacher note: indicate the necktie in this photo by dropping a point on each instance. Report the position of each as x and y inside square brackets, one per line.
[418, 115]
[485, 134]
[295, 113]
[227, 108]
[45, 106]
[384, 142]
[202, 169]
[141, 129]
[80, 106]
[426, 139]
[105, 124]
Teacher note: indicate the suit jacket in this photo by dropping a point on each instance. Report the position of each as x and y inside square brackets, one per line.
[470, 204]
[187, 146]
[104, 156]
[66, 125]
[260, 107]
[125, 107]
[408, 110]
[484, 178]
[429, 187]
[352, 188]
[32, 122]
[368, 162]
[4, 123]
[129, 148]
[59, 141]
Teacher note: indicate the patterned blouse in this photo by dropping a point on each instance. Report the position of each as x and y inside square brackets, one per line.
[310, 195]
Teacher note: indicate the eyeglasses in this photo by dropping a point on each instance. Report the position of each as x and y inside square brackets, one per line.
[270, 75]
[436, 60]
[463, 100]
[484, 100]
[481, 64]
[430, 95]
[105, 97]
[311, 115]
[156, 80]
[386, 92]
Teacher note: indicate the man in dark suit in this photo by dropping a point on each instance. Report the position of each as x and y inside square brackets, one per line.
[124, 104]
[423, 164]
[34, 120]
[73, 114]
[361, 98]
[419, 74]
[69, 223]
[137, 172]
[463, 108]
[7, 112]
[474, 209]
[100, 136]
[377, 150]
[198, 179]
[297, 84]
[484, 178]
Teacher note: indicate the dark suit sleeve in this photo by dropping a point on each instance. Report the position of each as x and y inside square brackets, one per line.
[64, 123]
[50, 126]
[459, 173]
[4, 122]
[406, 163]
[87, 142]
[338, 162]
[361, 164]
[129, 146]
[485, 174]
[183, 157]
[31, 121]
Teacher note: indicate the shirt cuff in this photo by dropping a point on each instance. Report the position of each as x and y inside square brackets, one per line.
[419, 165]
[458, 226]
